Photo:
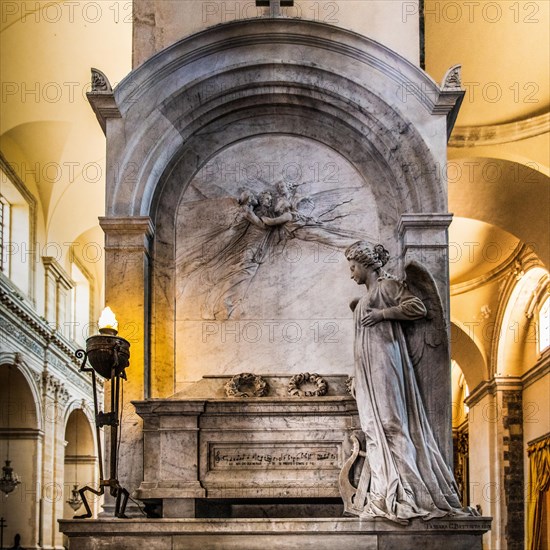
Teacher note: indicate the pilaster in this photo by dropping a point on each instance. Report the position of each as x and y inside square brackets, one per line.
[496, 412]
[424, 239]
[127, 264]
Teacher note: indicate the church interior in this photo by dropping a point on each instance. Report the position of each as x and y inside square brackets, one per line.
[53, 166]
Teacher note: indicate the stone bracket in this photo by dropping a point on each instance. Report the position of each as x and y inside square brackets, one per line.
[104, 106]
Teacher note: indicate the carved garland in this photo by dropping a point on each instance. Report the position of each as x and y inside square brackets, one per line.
[233, 387]
[298, 380]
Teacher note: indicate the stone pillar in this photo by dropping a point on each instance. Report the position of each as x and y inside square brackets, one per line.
[496, 438]
[61, 398]
[127, 242]
[424, 239]
[54, 396]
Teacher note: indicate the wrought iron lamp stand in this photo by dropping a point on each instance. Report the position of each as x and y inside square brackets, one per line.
[108, 355]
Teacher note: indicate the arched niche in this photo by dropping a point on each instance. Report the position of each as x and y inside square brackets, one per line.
[336, 93]
[232, 67]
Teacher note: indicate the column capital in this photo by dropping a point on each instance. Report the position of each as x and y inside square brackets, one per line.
[424, 221]
[490, 387]
[127, 233]
[127, 224]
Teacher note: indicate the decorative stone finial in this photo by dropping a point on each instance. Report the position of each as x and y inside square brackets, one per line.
[451, 81]
[100, 83]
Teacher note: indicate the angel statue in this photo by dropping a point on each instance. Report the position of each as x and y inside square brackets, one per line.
[404, 474]
[248, 230]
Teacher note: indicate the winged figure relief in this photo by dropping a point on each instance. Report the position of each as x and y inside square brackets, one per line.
[222, 260]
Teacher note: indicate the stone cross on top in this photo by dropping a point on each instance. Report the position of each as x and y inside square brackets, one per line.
[274, 5]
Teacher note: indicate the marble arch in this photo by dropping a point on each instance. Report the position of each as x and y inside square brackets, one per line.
[234, 82]
[179, 92]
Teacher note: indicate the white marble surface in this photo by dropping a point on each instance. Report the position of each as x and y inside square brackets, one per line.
[295, 304]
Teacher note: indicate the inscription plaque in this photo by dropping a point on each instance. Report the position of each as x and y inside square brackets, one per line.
[243, 456]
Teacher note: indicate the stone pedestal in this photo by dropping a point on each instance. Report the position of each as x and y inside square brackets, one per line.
[251, 534]
[269, 449]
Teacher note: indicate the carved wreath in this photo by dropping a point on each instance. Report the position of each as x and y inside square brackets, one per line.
[350, 386]
[255, 386]
[299, 380]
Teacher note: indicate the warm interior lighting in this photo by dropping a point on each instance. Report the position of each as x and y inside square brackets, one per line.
[107, 320]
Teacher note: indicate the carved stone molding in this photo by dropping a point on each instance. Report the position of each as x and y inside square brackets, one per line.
[50, 384]
[26, 327]
[102, 99]
[100, 83]
[502, 270]
[479, 136]
[132, 233]
[68, 373]
[451, 81]
[490, 387]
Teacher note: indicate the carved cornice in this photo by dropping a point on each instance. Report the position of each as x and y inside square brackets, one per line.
[301, 34]
[80, 459]
[142, 225]
[21, 433]
[69, 373]
[541, 369]
[14, 302]
[53, 268]
[127, 233]
[479, 136]
[102, 99]
[510, 383]
[490, 387]
[19, 321]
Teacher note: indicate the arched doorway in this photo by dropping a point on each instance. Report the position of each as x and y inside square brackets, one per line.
[80, 457]
[20, 443]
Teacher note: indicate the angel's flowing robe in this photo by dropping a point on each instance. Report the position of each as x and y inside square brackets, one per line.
[408, 475]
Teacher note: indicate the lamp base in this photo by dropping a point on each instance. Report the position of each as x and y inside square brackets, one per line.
[117, 491]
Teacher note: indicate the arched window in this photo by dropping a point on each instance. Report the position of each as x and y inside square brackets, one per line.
[82, 302]
[17, 235]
